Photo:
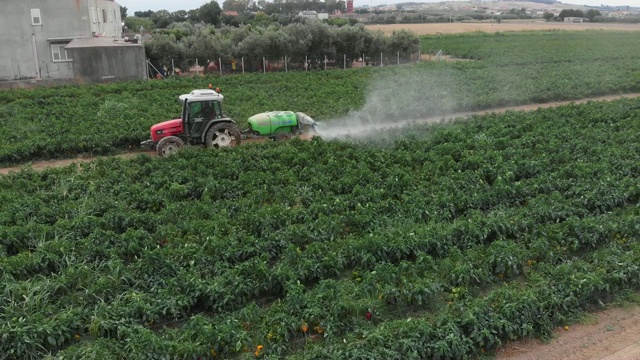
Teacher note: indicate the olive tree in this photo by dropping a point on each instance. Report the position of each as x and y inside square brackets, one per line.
[300, 41]
[403, 42]
[351, 41]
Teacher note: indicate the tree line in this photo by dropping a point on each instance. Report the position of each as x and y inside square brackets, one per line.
[279, 11]
[182, 43]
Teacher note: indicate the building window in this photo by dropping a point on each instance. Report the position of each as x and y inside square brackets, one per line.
[35, 17]
[59, 53]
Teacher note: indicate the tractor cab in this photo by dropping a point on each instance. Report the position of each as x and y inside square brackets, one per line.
[199, 108]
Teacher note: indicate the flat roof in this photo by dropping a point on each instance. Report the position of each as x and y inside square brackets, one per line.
[98, 42]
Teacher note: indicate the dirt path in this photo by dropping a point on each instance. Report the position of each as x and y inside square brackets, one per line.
[65, 162]
[41, 165]
[613, 334]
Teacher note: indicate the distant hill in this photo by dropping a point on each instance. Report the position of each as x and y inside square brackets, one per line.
[544, 1]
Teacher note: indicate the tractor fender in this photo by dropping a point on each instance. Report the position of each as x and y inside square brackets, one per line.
[211, 123]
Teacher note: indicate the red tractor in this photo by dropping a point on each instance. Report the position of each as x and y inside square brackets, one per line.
[202, 123]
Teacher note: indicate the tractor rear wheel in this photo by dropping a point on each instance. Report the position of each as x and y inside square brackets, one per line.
[222, 135]
[169, 145]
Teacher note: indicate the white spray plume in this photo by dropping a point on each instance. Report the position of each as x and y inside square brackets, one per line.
[399, 97]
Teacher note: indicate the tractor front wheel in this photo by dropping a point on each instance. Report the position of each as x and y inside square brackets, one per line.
[169, 145]
[222, 135]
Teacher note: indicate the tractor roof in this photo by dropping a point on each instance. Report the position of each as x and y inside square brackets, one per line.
[201, 95]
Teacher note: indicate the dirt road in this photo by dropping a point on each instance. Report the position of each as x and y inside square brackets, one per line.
[613, 334]
[65, 162]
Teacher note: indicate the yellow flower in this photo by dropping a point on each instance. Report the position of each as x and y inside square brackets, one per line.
[319, 329]
[304, 328]
[77, 336]
[213, 353]
[270, 336]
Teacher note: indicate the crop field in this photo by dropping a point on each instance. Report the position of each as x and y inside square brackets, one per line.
[434, 241]
[508, 69]
[439, 241]
[504, 26]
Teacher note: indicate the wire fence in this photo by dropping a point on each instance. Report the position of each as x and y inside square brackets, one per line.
[243, 65]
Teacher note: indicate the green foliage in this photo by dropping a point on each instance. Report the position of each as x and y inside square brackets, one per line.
[209, 13]
[161, 19]
[235, 5]
[592, 13]
[570, 13]
[134, 23]
[431, 241]
[143, 14]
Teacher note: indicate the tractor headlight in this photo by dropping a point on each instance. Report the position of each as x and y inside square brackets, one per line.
[159, 132]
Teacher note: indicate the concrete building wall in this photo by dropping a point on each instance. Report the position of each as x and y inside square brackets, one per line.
[105, 18]
[100, 64]
[32, 46]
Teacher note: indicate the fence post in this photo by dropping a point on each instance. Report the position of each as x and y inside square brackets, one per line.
[220, 63]
[398, 57]
[197, 67]
[173, 68]
[419, 55]
[285, 64]
[362, 59]
[154, 68]
[325, 62]
[306, 62]
[242, 58]
[345, 61]
[380, 59]
[264, 65]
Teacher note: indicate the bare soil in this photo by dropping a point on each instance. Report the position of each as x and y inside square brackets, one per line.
[492, 26]
[81, 159]
[613, 334]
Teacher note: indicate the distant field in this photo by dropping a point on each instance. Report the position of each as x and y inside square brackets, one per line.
[454, 28]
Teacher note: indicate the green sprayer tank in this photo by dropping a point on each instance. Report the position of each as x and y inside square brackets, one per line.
[274, 123]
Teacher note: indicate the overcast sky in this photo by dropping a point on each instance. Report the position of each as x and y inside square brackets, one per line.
[173, 5]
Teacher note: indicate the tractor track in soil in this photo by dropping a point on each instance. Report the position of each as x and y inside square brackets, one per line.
[41, 165]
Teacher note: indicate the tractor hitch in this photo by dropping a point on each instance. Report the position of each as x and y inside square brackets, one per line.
[147, 144]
